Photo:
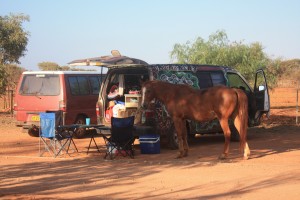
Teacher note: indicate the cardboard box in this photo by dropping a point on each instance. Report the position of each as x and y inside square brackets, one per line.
[132, 100]
[122, 113]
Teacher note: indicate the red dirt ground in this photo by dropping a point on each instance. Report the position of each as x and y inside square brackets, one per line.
[272, 172]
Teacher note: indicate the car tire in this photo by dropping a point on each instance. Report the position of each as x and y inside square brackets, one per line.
[34, 131]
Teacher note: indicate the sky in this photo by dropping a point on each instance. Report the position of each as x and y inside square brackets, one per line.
[66, 30]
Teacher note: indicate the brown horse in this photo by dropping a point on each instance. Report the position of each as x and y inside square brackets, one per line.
[184, 102]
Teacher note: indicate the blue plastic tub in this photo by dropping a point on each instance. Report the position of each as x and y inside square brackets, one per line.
[150, 144]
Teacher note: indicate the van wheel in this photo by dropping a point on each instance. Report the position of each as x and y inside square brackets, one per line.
[33, 131]
[81, 132]
[191, 137]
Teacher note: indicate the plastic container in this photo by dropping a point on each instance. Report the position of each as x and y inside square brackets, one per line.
[110, 148]
[149, 144]
[87, 121]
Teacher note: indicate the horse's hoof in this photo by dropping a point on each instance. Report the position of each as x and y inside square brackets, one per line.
[245, 158]
[180, 155]
[223, 156]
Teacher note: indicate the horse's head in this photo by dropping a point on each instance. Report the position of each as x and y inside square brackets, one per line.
[147, 93]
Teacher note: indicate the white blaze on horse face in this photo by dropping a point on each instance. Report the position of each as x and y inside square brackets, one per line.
[143, 95]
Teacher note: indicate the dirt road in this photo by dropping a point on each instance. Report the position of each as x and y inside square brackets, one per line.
[272, 172]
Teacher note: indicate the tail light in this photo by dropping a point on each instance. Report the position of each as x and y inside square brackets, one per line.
[148, 117]
[62, 105]
[15, 110]
[15, 106]
[97, 110]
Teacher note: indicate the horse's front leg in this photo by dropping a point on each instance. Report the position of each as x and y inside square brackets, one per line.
[184, 138]
[180, 130]
[226, 130]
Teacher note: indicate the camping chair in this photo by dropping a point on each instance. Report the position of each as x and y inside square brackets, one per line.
[121, 141]
[50, 136]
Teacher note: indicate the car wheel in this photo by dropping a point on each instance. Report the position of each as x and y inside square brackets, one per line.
[80, 132]
[33, 131]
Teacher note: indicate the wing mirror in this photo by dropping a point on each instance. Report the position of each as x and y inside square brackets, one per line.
[261, 88]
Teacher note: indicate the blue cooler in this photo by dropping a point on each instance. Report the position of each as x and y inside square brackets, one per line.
[149, 143]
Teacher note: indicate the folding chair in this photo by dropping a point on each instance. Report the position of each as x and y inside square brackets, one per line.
[49, 135]
[121, 141]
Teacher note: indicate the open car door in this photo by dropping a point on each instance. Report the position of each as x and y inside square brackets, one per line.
[262, 97]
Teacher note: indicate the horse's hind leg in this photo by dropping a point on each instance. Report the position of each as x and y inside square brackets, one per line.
[182, 140]
[226, 130]
[243, 142]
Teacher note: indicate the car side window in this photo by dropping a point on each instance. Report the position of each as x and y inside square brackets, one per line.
[235, 81]
[79, 85]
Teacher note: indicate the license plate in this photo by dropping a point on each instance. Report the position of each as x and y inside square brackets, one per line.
[35, 118]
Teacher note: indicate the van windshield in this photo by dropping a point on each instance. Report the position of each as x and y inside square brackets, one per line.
[40, 84]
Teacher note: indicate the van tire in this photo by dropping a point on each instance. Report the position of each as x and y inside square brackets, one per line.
[80, 132]
[34, 131]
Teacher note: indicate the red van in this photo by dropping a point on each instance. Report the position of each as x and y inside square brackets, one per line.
[75, 93]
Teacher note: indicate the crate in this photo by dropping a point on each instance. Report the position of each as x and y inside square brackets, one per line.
[149, 144]
[132, 100]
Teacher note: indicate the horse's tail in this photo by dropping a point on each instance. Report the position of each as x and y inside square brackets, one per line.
[242, 114]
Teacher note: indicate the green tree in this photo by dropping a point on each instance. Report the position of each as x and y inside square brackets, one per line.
[13, 42]
[52, 66]
[290, 69]
[66, 68]
[13, 38]
[49, 66]
[3, 80]
[13, 73]
[218, 50]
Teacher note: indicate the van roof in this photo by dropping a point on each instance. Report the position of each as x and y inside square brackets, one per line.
[62, 72]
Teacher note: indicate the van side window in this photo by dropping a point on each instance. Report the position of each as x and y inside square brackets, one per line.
[204, 80]
[79, 85]
[218, 78]
[95, 84]
[210, 79]
[236, 81]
